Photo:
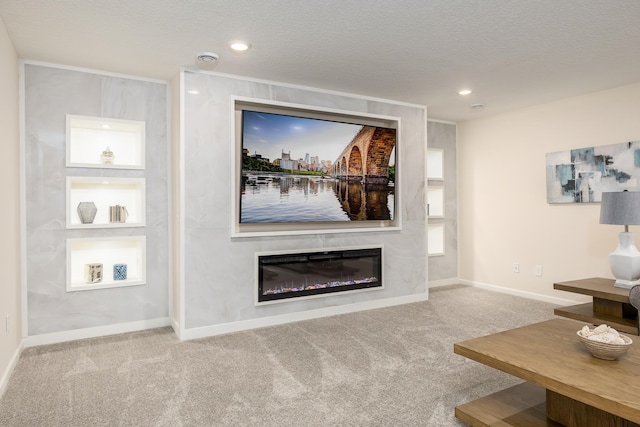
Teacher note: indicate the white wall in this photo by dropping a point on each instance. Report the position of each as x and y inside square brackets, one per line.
[504, 216]
[218, 271]
[443, 267]
[9, 214]
[52, 92]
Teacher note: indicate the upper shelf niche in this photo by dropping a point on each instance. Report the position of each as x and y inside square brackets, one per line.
[90, 140]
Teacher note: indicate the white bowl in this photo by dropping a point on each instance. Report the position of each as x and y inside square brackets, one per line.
[606, 351]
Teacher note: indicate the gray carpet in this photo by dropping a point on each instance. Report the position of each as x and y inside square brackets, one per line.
[386, 367]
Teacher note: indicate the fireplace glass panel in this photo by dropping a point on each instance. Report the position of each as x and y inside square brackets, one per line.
[304, 274]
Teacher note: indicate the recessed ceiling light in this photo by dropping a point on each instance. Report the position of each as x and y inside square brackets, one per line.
[239, 46]
[105, 126]
[464, 92]
[193, 92]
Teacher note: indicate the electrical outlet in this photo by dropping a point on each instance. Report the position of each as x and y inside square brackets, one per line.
[516, 267]
[539, 270]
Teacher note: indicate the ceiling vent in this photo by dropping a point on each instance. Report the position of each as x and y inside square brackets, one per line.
[207, 60]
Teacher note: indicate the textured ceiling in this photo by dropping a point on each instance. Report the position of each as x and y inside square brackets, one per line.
[512, 53]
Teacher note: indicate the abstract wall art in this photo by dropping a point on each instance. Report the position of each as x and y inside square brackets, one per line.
[582, 175]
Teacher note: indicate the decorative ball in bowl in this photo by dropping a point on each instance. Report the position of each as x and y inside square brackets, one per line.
[604, 342]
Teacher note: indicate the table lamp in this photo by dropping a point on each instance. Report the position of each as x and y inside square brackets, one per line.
[623, 208]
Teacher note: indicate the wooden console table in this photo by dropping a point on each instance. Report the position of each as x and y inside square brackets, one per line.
[610, 304]
[566, 385]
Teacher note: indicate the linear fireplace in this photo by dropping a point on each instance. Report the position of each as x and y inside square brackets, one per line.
[282, 276]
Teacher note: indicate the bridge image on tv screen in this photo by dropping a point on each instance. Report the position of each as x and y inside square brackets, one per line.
[298, 169]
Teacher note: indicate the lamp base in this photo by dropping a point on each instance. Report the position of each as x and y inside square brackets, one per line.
[625, 262]
[626, 284]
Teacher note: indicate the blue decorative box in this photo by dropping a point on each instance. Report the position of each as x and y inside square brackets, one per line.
[119, 271]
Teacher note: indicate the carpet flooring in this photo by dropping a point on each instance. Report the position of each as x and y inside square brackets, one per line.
[393, 366]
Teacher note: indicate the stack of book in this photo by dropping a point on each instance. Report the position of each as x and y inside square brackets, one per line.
[118, 213]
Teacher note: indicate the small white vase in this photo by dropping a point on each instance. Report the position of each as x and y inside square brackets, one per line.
[107, 157]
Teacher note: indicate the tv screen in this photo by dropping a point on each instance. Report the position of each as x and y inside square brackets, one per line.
[303, 170]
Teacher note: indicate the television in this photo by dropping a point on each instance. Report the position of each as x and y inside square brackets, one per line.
[307, 170]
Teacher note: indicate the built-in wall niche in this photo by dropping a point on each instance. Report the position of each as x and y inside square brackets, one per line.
[435, 163]
[119, 202]
[435, 202]
[96, 142]
[107, 262]
[435, 239]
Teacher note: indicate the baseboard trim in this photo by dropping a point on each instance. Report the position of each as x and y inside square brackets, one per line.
[175, 324]
[4, 381]
[444, 282]
[98, 331]
[525, 294]
[243, 325]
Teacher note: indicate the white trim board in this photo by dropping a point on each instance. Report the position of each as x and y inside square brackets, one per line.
[446, 122]
[524, 294]
[243, 325]
[170, 225]
[181, 208]
[444, 282]
[301, 87]
[4, 380]
[175, 325]
[92, 71]
[23, 200]
[98, 331]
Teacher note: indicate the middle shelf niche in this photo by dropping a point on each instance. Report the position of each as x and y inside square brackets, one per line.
[105, 192]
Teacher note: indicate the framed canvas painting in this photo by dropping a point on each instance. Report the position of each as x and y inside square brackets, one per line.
[581, 175]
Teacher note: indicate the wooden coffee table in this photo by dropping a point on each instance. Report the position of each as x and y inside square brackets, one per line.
[566, 385]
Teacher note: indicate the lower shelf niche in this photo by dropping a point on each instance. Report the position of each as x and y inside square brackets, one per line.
[107, 262]
[435, 239]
